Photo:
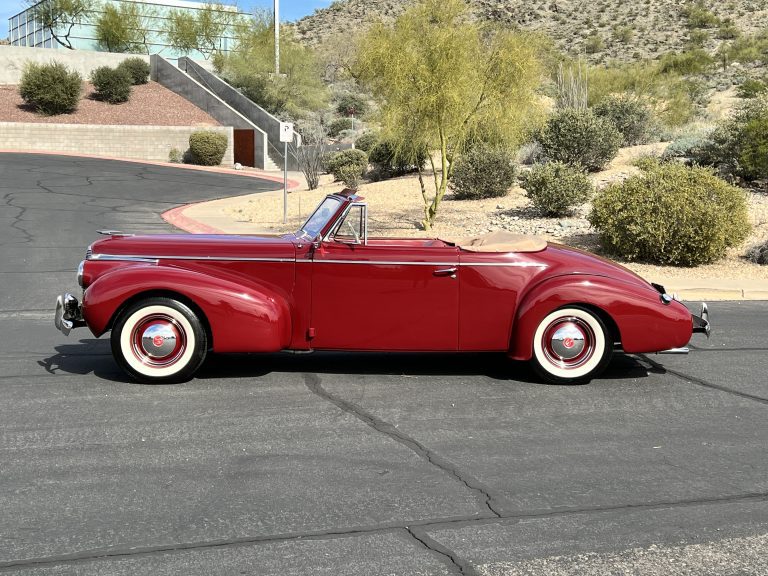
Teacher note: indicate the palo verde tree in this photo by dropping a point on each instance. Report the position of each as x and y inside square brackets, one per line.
[443, 81]
[203, 30]
[124, 28]
[250, 67]
[59, 17]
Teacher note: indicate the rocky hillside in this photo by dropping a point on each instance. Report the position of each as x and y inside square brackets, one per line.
[603, 29]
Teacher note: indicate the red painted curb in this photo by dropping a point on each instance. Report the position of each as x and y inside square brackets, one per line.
[176, 217]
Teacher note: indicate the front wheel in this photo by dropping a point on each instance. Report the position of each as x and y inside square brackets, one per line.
[159, 340]
[571, 345]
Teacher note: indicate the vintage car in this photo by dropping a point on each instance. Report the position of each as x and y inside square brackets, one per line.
[171, 299]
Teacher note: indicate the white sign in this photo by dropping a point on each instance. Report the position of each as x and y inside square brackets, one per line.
[286, 132]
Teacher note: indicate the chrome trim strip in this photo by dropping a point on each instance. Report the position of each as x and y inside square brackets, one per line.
[401, 263]
[155, 259]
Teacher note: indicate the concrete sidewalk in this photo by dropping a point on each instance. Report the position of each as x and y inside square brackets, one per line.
[214, 218]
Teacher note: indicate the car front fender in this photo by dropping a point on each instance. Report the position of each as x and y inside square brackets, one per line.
[644, 322]
[243, 317]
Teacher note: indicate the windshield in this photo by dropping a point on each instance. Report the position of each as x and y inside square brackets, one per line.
[320, 217]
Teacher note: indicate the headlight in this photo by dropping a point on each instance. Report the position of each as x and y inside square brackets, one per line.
[80, 269]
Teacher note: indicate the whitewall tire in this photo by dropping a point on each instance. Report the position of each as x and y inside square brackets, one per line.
[570, 346]
[159, 340]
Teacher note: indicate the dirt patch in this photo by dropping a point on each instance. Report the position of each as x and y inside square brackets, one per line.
[150, 105]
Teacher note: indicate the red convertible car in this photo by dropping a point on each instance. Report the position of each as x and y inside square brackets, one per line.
[170, 299]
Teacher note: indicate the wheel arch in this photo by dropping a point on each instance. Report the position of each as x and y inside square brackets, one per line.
[165, 293]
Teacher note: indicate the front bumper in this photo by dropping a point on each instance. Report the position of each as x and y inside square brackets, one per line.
[69, 314]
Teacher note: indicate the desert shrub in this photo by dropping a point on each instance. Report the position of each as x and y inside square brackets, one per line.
[751, 88]
[632, 118]
[593, 44]
[367, 141]
[137, 68]
[739, 145]
[175, 156]
[580, 137]
[556, 188]
[207, 148]
[671, 214]
[529, 153]
[728, 30]
[482, 172]
[352, 105]
[112, 85]
[691, 62]
[685, 148]
[390, 162]
[697, 15]
[348, 166]
[758, 254]
[50, 88]
[338, 126]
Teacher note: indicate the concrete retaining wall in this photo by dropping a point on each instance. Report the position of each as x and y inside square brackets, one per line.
[255, 113]
[134, 142]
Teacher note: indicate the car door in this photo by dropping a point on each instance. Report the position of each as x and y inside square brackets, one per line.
[383, 294]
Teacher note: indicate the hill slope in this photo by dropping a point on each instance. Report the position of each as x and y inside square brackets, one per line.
[627, 29]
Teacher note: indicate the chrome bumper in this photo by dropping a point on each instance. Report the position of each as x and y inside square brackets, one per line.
[69, 314]
[701, 323]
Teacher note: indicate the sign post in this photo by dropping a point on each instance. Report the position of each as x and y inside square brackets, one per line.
[286, 135]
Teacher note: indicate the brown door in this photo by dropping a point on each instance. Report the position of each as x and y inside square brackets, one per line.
[244, 147]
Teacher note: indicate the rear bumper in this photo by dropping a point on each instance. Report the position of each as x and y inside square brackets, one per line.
[69, 314]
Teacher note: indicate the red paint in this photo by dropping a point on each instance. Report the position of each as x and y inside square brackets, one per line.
[267, 293]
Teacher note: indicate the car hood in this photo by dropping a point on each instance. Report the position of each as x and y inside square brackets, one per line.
[196, 246]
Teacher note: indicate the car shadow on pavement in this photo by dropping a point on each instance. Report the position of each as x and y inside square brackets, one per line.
[93, 356]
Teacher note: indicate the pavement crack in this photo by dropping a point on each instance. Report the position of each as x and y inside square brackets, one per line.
[314, 384]
[701, 382]
[450, 557]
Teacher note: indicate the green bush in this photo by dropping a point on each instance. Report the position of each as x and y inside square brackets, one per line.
[482, 172]
[207, 148]
[556, 188]
[51, 88]
[175, 156]
[692, 62]
[580, 137]
[686, 148]
[697, 15]
[137, 68]
[739, 145]
[112, 85]
[671, 215]
[758, 254]
[367, 141]
[751, 88]
[349, 166]
[352, 105]
[632, 118]
[389, 162]
[593, 44]
[338, 126]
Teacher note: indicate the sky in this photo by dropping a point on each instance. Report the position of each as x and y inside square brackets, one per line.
[289, 9]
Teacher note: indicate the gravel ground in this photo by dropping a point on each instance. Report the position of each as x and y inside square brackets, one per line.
[150, 104]
[733, 557]
[396, 209]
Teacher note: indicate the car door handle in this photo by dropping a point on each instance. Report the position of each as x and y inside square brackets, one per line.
[445, 272]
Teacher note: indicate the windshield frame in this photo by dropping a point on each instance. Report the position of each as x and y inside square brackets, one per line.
[322, 222]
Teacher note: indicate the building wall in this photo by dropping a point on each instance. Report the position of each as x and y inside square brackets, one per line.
[131, 142]
[23, 30]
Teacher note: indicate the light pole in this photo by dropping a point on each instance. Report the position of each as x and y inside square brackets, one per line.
[277, 39]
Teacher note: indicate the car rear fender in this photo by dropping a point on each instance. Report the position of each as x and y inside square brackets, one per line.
[641, 321]
[242, 316]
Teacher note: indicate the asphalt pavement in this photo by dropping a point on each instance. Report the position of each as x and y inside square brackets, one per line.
[350, 464]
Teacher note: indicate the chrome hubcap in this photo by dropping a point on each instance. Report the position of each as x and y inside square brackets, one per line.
[158, 340]
[568, 342]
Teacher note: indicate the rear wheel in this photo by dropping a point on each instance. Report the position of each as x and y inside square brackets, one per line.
[571, 345]
[159, 340]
